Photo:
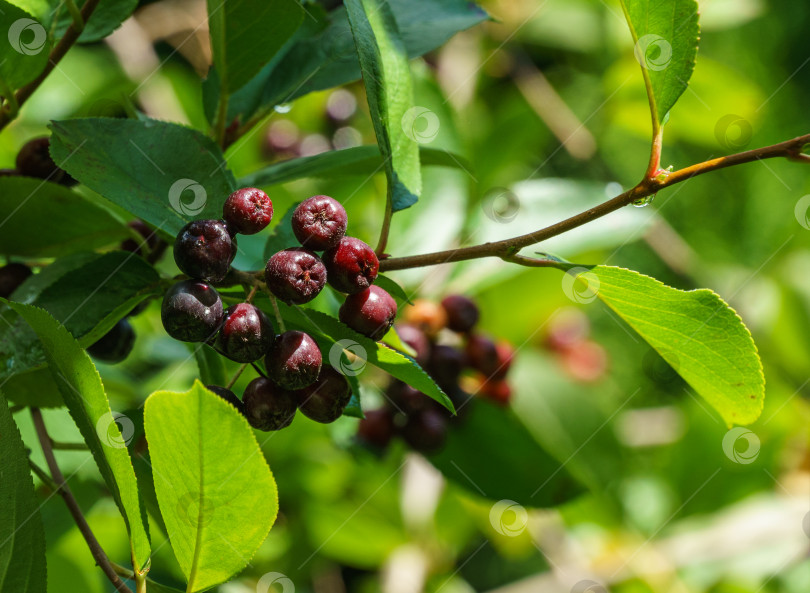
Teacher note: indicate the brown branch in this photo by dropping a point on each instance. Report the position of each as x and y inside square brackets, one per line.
[95, 548]
[57, 53]
[791, 149]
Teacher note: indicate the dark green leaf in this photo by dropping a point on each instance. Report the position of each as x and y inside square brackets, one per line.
[245, 35]
[106, 18]
[25, 47]
[216, 493]
[22, 539]
[394, 289]
[210, 364]
[514, 470]
[73, 223]
[80, 385]
[282, 235]
[163, 173]
[389, 90]
[33, 388]
[360, 160]
[666, 38]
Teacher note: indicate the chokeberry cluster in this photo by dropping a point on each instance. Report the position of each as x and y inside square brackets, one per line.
[295, 378]
[463, 362]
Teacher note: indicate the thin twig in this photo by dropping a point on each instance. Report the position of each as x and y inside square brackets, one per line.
[64, 491]
[68, 446]
[279, 319]
[236, 375]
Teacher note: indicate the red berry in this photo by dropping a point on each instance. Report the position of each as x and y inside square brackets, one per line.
[248, 210]
[319, 222]
[376, 428]
[268, 406]
[427, 316]
[191, 311]
[482, 355]
[294, 360]
[462, 313]
[370, 312]
[294, 275]
[325, 400]
[416, 339]
[203, 249]
[246, 333]
[351, 265]
[11, 276]
[585, 361]
[498, 391]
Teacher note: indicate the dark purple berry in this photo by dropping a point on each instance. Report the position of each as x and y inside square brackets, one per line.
[9, 173]
[246, 334]
[416, 339]
[248, 210]
[295, 275]
[228, 395]
[11, 276]
[351, 265]
[34, 160]
[115, 345]
[425, 431]
[191, 311]
[203, 249]
[376, 428]
[462, 313]
[325, 400]
[319, 222]
[294, 360]
[445, 366]
[407, 399]
[268, 406]
[482, 355]
[370, 312]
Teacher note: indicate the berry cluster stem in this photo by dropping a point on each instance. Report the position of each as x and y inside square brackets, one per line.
[506, 248]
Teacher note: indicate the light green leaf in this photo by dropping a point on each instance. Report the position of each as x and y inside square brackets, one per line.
[328, 331]
[81, 388]
[245, 35]
[359, 160]
[666, 38]
[24, 47]
[215, 490]
[74, 223]
[163, 173]
[696, 332]
[22, 539]
[389, 90]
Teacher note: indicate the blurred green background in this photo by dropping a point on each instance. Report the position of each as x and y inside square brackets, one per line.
[546, 104]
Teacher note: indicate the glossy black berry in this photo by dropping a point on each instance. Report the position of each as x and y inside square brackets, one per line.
[462, 313]
[416, 339]
[268, 406]
[425, 431]
[351, 265]
[294, 360]
[192, 311]
[228, 395]
[319, 222]
[325, 400]
[246, 333]
[371, 312]
[376, 428]
[115, 345]
[203, 249]
[295, 275]
[34, 160]
[11, 276]
[445, 366]
[248, 210]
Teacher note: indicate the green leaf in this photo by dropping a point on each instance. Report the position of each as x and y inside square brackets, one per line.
[216, 492]
[328, 331]
[394, 289]
[696, 332]
[33, 388]
[513, 470]
[245, 35]
[163, 173]
[210, 364]
[87, 294]
[80, 385]
[73, 224]
[282, 235]
[359, 160]
[322, 55]
[24, 48]
[106, 18]
[389, 90]
[22, 538]
[666, 38]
